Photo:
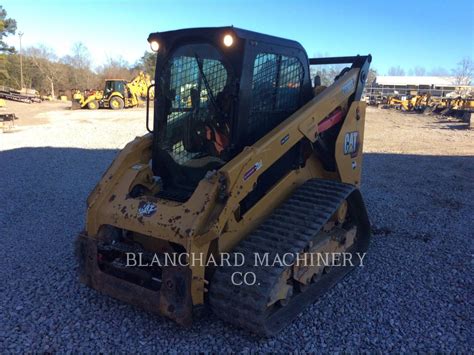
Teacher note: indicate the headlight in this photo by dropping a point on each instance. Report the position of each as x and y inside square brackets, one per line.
[228, 40]
[154, 45]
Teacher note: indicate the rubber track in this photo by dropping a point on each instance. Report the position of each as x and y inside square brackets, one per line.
[289, 229]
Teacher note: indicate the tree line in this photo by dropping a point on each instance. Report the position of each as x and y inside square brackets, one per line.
[48, 74]
[462, 74]
[44, 71]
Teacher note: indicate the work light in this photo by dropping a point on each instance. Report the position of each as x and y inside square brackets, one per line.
[228, 40]
[154, 46]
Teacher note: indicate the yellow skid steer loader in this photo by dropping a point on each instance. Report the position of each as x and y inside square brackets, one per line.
[247, 178]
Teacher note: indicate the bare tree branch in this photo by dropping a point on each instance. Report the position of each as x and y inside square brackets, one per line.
[464, 72]
[396, 71]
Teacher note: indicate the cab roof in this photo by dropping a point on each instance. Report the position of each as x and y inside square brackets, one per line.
[217, 33]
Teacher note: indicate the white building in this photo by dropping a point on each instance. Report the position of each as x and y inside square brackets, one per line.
[440, 86]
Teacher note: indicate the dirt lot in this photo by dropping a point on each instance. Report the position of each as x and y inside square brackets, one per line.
[391, 131]
[414, 293]
[40, 114]
[387, 131]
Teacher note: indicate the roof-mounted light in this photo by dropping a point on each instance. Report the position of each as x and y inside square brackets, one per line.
[154, 45]
[228, 40]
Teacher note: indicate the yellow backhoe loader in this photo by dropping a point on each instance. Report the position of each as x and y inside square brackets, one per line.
[404, 104]
[245, 192]
[117, 94]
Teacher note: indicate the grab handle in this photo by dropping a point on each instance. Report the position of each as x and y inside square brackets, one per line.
[148, 107]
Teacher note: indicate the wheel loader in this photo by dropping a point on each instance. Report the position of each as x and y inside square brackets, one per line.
[245, 165]
[117, 94]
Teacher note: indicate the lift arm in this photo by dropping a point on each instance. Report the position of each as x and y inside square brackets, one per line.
[242, 172]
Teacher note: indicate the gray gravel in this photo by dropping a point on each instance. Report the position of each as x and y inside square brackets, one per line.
[414, 292]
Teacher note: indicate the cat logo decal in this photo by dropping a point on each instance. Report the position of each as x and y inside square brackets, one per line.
[351, 144]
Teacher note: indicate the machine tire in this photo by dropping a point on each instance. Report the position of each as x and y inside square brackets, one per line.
[93, 105]
[116, 103]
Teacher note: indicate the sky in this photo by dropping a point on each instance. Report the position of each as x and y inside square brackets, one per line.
[411, 33]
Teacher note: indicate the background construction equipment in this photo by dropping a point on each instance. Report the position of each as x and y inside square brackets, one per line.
[116, 95]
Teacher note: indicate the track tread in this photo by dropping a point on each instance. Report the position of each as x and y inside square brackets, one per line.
[287, 230]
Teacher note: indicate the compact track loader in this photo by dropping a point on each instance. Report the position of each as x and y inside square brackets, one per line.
[246, 174]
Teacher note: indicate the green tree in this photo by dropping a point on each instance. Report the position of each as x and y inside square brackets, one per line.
[7, 27]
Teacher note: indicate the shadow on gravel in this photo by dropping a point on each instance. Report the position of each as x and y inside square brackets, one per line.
[10, 131]
[414, 202]
[48, 186]
[458, 126]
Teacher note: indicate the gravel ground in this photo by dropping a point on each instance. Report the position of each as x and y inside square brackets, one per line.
[414, 292]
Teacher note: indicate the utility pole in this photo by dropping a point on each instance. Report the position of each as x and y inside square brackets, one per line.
[20, 34]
